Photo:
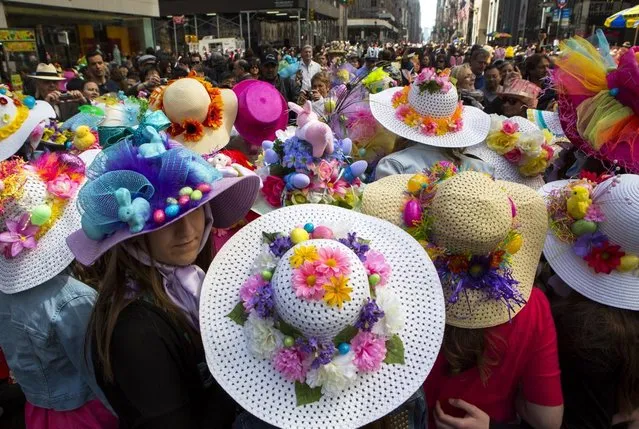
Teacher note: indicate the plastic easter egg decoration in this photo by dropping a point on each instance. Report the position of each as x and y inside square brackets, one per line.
[322, 232]
[29, 101]
[271, 157]
[359, 167]
[347, 146]
[412, 213]
[267, 144]
[40, 214]
[300, 181]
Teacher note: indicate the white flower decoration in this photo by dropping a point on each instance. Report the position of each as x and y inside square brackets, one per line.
[531, 142]
[334, 377]
[262, 339]
[286, 134]
[265, 261]
[393, 321]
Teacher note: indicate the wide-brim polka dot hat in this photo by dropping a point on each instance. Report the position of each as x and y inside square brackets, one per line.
[255, 383]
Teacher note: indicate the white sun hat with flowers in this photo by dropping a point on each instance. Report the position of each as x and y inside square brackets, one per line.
[593, 239]
[429, 111]
[518, 150]
[37, 213]
[314, 316]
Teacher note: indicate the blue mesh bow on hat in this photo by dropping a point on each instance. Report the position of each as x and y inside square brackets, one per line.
[141, 183]
[156, 120]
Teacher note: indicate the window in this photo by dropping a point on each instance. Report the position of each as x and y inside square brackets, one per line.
[373, 3]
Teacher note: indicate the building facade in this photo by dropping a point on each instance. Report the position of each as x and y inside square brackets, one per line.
[384, 21]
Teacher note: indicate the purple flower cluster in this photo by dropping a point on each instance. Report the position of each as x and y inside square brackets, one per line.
[321, 351]
[368, 316]
[263, 302]
[297, 153]
[356, 245]
[280, 246]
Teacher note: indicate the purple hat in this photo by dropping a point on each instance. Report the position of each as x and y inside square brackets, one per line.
[262, 110]
[136, 187]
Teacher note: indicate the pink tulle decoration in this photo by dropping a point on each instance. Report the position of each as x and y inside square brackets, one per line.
[249, 289]
[376, 264]
[626, 80]
[369, 351]
[290, 363]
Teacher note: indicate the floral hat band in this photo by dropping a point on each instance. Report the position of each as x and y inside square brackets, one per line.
[487, 269]
[34, 196]
[430, 104]
[531, 151]
[579, 215]
[318, 309]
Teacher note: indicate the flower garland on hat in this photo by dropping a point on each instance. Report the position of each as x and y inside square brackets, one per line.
[575, 218]
[62, 174]
[530, 151]
[11, 124]
[320, 366]
[428, 80]
[490, 274]
[191, 129]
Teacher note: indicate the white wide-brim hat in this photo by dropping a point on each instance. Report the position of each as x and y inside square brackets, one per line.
[11, 145]
[259, 388]
[474, 131]
[51, 256]
[548, 120]
[505, 170]
[617, 289]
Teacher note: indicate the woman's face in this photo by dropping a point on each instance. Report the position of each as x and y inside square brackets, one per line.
[467, 80]
[320, 87]
[255, 70]
[505, 70]
[440, 62]
[91, 91]
[152, 73]
[178, 244]
[415, 60]
[512, 106]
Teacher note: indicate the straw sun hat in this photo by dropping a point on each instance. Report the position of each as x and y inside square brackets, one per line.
[298, 360]
[37, 212]
[428, 112]
[202, 116]
[518, 150]
[471, 216]
[593, 239]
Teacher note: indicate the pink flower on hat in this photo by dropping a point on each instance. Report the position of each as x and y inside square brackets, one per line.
[308, 283]
[326, 169]
[376, 264]
[510, 127]
[402, 111]
[290, 363]
[369, 351]
[513, 156]
[20, 236]
[62, 186]
[249, 289]
[550, 152]
[429, 128]
[332, 262]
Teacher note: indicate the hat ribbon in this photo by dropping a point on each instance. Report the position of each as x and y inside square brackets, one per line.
[110, 135]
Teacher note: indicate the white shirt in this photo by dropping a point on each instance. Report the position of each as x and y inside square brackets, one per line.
[308, 71]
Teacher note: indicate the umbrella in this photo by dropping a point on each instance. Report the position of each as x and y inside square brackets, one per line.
[627, 18]
[498, 35]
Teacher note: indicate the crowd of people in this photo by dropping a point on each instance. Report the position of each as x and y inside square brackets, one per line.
[379, 236]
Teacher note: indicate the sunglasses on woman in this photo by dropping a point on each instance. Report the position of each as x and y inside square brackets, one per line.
[511, 100]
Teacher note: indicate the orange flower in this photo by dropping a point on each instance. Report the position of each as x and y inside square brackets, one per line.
[193, 130]
[497, 258]
[175, 130]
[458, 264]
[214, 117]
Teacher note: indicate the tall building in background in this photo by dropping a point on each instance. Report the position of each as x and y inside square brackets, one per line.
[384, 21]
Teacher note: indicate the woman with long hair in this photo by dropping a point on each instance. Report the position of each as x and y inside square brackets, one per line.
[148, 209]
[499, 358]
[598, 318]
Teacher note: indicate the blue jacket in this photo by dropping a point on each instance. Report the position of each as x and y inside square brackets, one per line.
[42, 333]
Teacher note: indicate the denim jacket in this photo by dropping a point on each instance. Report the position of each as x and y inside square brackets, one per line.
[42, 333]
[416, 158]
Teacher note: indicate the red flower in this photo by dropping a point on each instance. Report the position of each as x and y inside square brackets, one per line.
[458, 264]
[193, 130]
[605, 258]
[593, 177]
[272, 190]
[3, 101]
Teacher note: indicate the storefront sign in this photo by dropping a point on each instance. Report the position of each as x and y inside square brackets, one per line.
[17, 35]
[565, 17]
[20, 46]
[283, 4]
[556, 15]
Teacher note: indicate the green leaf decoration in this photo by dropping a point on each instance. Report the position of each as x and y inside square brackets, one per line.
[269, 237]
[394, 351]
[345, 335]
[238, 315]
[306, 394]
[288, 330]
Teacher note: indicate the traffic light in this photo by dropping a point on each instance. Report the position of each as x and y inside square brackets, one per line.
[311, 15]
